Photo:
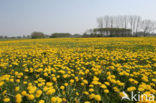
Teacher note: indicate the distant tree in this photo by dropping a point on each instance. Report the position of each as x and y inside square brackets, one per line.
[36, 35]
[5, 37]
[100, 22]
[28, 36]
[60, 35]
[108, 32]
[23, 36]
[133, 22]
[1, 37]
[147, 26]
[141, 34]
[85, 34]
[112, 32]
[18, 37]
[76, 35]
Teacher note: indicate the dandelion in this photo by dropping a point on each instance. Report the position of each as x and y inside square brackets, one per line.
[62, 87]
[24, 93]
[18, 98]
[41, 101]
[30, 97]
[38, 93]
[50, 91]
[6, 99]
[97, 97]
[106, 91]
[17, 89]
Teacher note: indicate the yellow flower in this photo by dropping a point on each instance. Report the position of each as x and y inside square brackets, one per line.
[97, 97]
[24, 82]
[31, 88]
[24, 93]
[85, 81]
[41, 101]
[1, 83]
[18, 98]
[49, 84]
[56, 100]
[106, 91]
[103, 86]
[121, 94]
[116, 89]
[25, 77]
[95, 82]
[86, 93]
[77, 79]
[17, 80]
[54, 79]
[65, 84]
[50, 91]
[38, 93]
[11, 80]
[131, 89]
[91, 90]
[4, 92]
[62, 87]
[53, 99]
[141, 89]
[77, 93]
[59, 100]
[45, 88]
[91, 96]
[86, 102]
[72, 81]
[6, 99]
[30, 97]
[17, 89]
[82, 84]
[91, 85]
[45, 74]
[64, 99]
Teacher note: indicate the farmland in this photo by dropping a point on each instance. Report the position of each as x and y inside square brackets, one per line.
[77, 70]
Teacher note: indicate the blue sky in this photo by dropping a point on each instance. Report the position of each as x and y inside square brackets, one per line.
[21, 17]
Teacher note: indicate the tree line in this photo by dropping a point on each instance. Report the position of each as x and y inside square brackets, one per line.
[35, 35]
[109, 32]
[107, 26]
[117, 25]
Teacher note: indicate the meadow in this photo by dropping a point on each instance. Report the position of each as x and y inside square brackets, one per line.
[77, 70]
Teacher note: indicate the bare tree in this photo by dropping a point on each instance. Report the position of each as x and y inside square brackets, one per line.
[125, 21]
[147, 26]
[100, 22]
[138, 23]
[133, 22]
[111, 20]
[106, 21]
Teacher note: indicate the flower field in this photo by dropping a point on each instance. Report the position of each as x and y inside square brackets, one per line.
[77, 70]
